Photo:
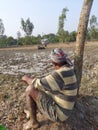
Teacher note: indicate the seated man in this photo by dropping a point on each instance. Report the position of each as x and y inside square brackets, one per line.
[55, 94]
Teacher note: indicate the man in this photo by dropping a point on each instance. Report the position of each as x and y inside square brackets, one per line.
[55, 94]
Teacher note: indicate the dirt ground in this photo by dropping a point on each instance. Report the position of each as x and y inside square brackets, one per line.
[16, 62]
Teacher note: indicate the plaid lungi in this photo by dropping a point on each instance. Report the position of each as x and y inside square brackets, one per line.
[47, 106]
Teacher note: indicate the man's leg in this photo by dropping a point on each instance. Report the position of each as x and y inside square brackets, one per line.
[31, 97]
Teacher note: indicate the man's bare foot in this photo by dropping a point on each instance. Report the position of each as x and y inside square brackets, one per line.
[30, 125]
[36, 125]
[27, 113]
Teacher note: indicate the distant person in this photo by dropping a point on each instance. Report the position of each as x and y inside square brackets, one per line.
[54, 95]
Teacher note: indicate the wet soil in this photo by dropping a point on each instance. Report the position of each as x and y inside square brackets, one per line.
[16, 62]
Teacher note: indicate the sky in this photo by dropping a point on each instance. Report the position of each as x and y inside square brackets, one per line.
[44, 14]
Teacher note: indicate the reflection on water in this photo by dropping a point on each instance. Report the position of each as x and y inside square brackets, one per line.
[23, 62]
[31, 70]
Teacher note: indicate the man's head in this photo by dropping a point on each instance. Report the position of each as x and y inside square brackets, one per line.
[59, 57]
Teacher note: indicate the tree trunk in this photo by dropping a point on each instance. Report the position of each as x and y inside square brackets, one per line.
[80, 39]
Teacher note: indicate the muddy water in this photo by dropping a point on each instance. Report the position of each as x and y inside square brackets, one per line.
[12, 97]
[33, 61]
[23, 62]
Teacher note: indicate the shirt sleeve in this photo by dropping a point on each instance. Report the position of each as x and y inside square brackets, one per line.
[37, 84]
[41, 83]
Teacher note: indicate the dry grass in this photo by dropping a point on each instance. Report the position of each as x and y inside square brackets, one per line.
[61, 45]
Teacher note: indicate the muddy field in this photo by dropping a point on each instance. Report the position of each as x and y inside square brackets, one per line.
[16, 62]
[26, 60]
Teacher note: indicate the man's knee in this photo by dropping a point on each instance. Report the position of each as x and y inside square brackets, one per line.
[29, 89]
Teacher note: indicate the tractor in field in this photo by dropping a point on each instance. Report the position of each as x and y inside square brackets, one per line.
[44, 43]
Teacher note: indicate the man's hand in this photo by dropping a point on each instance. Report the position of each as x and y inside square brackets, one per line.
[27, 79]
[24, 78]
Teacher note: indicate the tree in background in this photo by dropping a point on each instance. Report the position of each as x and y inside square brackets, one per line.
[61, 31]
[80, 39]
[10, 41]
[27, 26]
[51, 37]
[93, 29]
[93, 21]
[2, 29]
[72, 36]
[18, 34]
[66, 36]
[19, 39]
[3, 39]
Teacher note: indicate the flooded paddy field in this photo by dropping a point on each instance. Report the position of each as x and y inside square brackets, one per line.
[26, 61]
[16, 62]
[31, 60]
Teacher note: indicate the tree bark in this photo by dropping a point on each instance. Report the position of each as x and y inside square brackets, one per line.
[80, 39]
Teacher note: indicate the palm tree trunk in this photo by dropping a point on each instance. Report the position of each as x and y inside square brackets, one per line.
[80, 39]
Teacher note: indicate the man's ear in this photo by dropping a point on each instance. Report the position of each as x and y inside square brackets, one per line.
[55, 64]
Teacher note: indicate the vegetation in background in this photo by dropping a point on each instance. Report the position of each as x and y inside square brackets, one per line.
[2, 29]
[92, 29]
[62, 35]
[61, 32]
[27, 26]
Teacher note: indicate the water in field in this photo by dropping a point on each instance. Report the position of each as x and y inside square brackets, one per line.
[38, 61]
[23, 62]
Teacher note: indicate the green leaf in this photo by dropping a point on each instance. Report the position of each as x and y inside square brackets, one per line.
[2, 127]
